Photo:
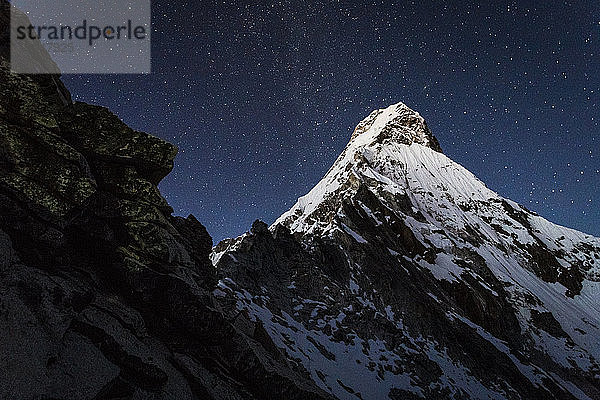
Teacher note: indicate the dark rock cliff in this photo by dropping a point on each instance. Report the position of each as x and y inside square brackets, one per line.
[103, 293]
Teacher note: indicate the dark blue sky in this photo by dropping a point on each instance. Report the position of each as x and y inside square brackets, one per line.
[261, 98]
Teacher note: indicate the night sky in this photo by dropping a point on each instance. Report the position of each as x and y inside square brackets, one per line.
[261, 98]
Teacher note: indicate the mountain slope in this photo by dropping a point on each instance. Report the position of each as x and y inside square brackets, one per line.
[402, 275]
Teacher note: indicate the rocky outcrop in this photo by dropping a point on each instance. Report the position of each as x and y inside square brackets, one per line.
[103, 293]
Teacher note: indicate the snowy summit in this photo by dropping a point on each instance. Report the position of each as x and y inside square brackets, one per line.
[401, 275]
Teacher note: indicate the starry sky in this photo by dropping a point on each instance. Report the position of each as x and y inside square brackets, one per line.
[261, 97]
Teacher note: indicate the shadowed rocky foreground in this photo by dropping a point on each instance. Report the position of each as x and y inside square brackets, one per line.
[104, 294]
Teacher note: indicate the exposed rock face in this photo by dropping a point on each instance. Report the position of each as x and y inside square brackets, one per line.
[401, 276]
[400, 124]
[103, 294]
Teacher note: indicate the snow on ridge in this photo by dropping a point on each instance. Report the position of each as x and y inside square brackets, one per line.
[362, 143]
[436, 185]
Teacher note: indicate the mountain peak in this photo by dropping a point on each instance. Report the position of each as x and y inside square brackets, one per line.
[397, 123]
[405, 270]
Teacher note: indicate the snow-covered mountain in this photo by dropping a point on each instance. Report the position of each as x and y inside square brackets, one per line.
[401, 275]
